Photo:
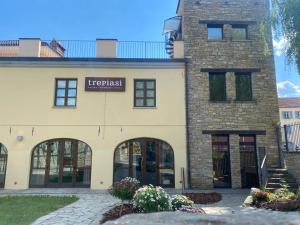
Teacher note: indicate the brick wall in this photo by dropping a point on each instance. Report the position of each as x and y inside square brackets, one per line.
[259, 114]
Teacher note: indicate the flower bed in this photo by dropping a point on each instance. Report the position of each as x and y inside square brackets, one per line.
[149, 199]
[281, 200]
[204, 198]
[118, 212]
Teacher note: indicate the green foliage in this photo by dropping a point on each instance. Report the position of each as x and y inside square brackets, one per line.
[150, 199]
[283, 193]
[285, 20]
[180, 200]
[125, 189]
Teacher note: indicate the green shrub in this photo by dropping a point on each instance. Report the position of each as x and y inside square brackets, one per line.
[150, 199]
[180, 200]
[125, 189]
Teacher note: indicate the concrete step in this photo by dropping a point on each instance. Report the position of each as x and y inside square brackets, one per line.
[279, 179]
[278, 171]
[278, 185]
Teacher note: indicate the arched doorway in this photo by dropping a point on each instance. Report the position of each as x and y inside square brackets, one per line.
[3, 164]
[149, 160]
[61, 163]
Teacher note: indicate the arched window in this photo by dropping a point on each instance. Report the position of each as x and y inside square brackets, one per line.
[61, 163]
[149, 160]
[3, 164]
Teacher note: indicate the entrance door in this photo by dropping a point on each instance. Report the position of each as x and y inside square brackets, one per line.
[149, 160]
[248, 161]
[61, 163]
[3, 162]
[144, 167]
[221, 161]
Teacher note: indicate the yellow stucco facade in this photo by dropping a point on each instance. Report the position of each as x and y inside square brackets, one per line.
[101, 119]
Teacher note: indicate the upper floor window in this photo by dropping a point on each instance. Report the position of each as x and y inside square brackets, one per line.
[66, 92]
[297, 114]
[243, 86]
[287, 115]
[239, 32]
[217, 86]
[215, 31]
[144, 93]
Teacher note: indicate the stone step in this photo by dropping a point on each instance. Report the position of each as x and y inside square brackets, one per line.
[279, 179]
[278, 185]
[278, 171]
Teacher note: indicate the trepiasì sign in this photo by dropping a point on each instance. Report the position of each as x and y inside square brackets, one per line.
[112, 84]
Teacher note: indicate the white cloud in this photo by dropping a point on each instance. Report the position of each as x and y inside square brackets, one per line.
[280, 46]
[288, 89]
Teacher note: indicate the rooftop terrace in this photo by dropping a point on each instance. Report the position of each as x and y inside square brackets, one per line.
[100, 48]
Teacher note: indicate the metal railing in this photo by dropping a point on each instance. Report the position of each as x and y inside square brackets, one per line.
[263, 169]
[125, 49]
[290, 137]
[87, 49]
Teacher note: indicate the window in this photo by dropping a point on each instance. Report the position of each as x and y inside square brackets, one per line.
[215, 32]
[297, 114]
[287, 115]
[144, 93]
[66, 92]
[243, 86]
[239, 32]
[217, 86]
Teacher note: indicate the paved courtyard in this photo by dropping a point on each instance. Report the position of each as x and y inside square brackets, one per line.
[89, 208]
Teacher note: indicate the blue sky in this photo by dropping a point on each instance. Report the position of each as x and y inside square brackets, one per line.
[121, 19]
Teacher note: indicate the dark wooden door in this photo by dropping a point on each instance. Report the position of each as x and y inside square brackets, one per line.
[248, 161]
[221, 161]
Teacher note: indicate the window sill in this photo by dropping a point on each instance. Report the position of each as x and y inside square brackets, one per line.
[208, 40]
[253, 101]
[135, 107]
[246, 41]
[64, 107]
[224, 102]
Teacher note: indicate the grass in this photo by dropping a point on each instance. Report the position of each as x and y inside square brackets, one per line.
[23, 210]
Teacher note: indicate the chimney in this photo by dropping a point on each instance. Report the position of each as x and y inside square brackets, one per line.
[106, 48]
[29, 47]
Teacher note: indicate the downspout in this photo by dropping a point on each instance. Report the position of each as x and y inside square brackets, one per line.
[187, 128]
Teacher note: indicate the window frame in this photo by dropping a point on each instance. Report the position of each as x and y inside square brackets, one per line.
[236, 26]
[66, 97]
[210, 86]
[249, 74]
[145, 93]
[221, 26]
[284, 113]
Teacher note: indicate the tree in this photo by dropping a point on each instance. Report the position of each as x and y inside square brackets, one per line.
[285, 19]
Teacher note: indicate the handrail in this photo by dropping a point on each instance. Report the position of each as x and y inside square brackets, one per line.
[263, 170]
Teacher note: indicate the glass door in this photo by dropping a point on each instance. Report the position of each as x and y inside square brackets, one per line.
[53, 162]
[2, 170]
[150, 155]
[68, 163]
[137, 164]
[221, 161]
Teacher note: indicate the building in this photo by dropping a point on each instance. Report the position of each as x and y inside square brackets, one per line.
[289, 109]
[231, 90]
[73, 122]
[199, 113]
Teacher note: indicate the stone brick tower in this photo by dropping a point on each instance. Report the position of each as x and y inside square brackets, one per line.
[231, 90]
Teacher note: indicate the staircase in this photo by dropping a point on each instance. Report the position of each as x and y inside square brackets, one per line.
[276, 175]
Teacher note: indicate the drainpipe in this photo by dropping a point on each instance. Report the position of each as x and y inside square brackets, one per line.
[187, 128]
